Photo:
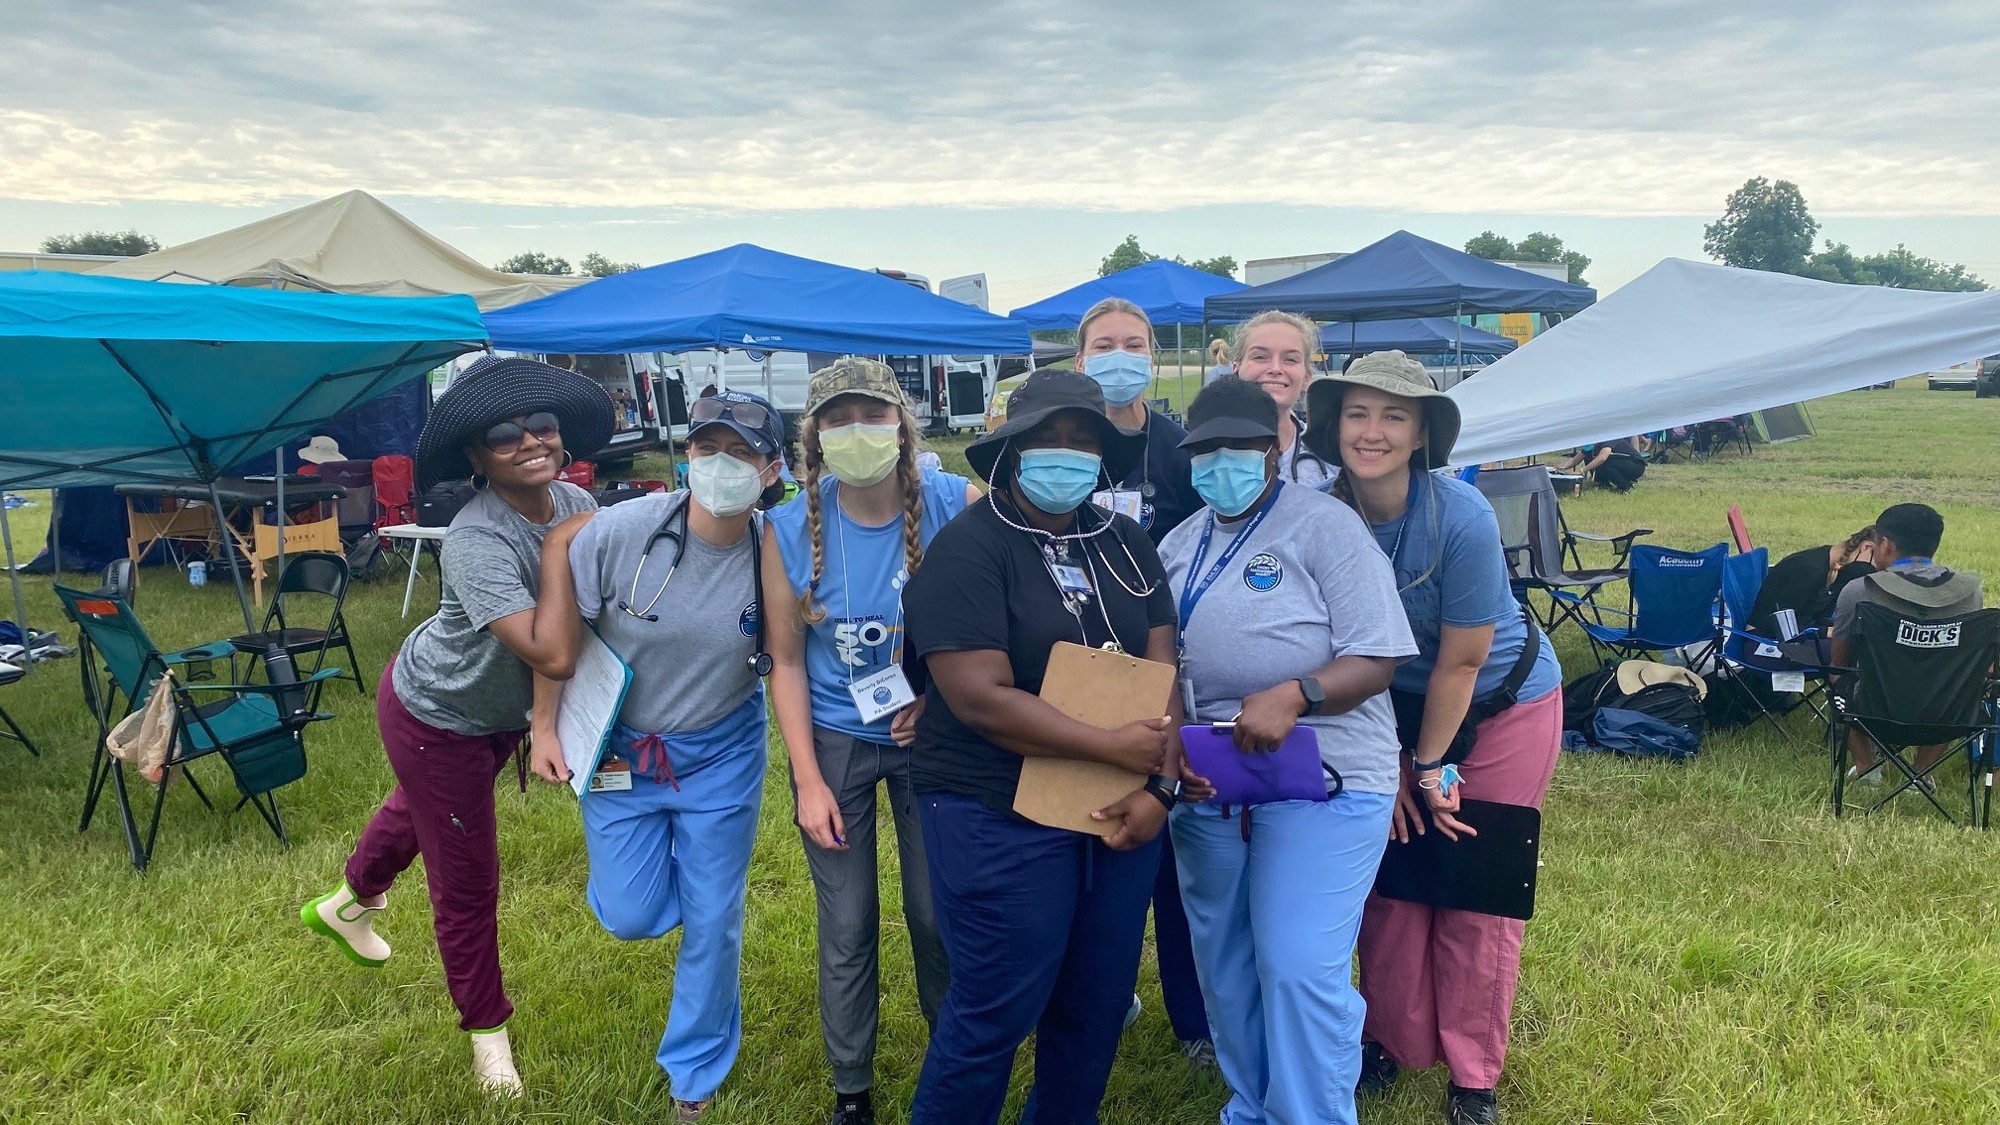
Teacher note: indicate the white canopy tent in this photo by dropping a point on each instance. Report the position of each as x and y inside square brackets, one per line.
[1686, 341]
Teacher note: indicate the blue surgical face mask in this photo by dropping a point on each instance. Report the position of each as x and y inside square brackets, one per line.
[1057, 480]
[1229, 480]
[1123, 375]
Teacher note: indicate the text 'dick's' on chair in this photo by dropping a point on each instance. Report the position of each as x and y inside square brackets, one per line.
[1672, 601]
[1919, 683]
[1541, 550]
[308, 576]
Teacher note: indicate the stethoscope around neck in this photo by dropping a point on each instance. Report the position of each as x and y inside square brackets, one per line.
[760, 660]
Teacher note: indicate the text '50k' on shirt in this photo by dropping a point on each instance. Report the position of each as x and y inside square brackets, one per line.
[452, 673]
[985, 586]
[861, 590]
[1306, 588]
[692, 666]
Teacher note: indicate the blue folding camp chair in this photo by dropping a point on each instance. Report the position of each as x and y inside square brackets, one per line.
[1672, 599]
[1753, 662]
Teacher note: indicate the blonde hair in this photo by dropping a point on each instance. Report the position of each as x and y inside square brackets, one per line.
[1307, 330]
[1106, 307]
[913, 503]
[1218, 350]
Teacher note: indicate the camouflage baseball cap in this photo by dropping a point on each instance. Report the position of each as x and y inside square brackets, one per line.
[853, 375]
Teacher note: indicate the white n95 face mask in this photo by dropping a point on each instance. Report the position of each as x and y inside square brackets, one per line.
[724, 485]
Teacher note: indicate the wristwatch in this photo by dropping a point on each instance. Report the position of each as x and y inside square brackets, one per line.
[1315, 694]
[1168, 792]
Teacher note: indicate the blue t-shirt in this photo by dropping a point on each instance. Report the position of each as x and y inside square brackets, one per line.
[1467, 589]
[860, 588]
[1167, 470]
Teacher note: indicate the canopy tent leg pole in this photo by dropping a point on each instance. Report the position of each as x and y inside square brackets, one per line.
[55, 533]
[236, 562]
[20, 605]
[280, 455]
[1457, 342]
[1180, 367]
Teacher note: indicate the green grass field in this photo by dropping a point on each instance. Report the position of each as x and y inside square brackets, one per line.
[1712, 946]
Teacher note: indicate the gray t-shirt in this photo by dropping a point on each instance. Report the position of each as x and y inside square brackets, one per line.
[452, 673]
[1308, 586]
[1864, 589]
[692, 666]
[1299, 465]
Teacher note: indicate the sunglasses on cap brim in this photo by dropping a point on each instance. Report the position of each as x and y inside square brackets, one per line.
[506, 437]
[706, 410]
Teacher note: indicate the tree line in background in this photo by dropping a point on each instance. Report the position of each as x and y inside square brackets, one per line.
[1767, 226]
[592, 265]
[1128, 254]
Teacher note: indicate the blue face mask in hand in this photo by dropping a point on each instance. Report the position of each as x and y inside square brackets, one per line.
[1229, 480]
[1057, 480]
[1123, 375]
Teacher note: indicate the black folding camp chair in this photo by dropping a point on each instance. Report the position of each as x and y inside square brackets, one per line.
[311, 574]
[1541, 549]
[9, 729]
[1920, 683]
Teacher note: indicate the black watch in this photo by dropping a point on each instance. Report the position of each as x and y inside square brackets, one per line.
[1168, 792]
[1315, 694]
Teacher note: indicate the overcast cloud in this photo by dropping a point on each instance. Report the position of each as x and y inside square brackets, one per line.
[1580, 108]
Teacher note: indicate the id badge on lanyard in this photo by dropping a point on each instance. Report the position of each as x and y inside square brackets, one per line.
[881, 694]
[1128, 501]
[614, 776]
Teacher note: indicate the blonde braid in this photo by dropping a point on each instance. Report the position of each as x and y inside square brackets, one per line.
[809, 608]
[913, 497]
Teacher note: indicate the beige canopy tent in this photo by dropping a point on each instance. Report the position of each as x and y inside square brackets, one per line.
[351, 243]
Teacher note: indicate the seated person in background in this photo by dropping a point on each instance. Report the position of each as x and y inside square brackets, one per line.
[1612, 464]
[1906, 580]
[1807, 582]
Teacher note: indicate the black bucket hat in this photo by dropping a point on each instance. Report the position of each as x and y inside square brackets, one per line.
[1043, 394]
[1230, 408]
[497, 388]
[1390, 372]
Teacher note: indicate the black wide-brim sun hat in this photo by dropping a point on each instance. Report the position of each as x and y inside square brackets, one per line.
[1392, 373]
[1044, 394]
[498, 388]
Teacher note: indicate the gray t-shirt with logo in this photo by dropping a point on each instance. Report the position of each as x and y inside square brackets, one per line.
[452, 673]
[1308, 586]
[691, 667]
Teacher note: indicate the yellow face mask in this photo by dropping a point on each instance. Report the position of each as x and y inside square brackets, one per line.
[861, 454]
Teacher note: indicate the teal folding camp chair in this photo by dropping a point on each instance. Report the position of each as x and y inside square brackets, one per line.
[256, 729]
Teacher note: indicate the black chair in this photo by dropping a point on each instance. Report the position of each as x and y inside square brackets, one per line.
[1920, 683]
[311, 574]
[1541, 549]
[10, 674]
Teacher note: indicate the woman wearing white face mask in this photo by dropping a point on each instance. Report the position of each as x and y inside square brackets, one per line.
[846, 545]
[1274, 350]
[675, 586]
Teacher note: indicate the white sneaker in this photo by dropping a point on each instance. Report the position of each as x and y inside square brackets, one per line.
[1872, 777]
[341, 917]
[493, 1063]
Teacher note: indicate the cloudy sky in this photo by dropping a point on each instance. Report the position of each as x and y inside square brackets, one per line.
[1022, 138]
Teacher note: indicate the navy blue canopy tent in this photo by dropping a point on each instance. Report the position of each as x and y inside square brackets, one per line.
[755, 299]
[1170, 293]
[1404, 275]
[109, 380]
[1423, 335]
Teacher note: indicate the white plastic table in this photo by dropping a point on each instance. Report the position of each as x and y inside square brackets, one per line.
[416, 535]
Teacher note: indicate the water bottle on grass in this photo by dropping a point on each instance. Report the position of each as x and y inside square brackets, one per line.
[197, 573]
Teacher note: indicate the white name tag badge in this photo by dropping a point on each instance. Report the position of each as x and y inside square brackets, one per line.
[1072, 579]
[1788, 681]
[882, 694]
[1124, 500]
[1767, 650]
[613, 777]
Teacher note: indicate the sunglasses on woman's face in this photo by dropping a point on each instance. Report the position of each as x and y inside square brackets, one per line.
[706, 410]
[506, 437]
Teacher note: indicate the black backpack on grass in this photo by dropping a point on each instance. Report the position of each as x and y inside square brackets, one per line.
[1673, 703]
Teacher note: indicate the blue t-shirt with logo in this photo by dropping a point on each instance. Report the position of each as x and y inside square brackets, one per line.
[860, 588]
[1468, 587]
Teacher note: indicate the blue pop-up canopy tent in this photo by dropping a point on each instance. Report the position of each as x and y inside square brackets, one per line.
[1423, 335]
[1170, 293]
[1404, 275]
[748, 297]
[107, 380]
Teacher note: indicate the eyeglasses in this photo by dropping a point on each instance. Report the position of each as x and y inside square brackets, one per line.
[506, 437]
[706, 410]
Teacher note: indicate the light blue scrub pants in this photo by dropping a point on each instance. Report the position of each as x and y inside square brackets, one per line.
[1274, 922]
[666, 854]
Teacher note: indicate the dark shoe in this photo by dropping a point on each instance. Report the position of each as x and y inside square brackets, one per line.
[1378, 1070]
[853, 1109]
[1470, 1107]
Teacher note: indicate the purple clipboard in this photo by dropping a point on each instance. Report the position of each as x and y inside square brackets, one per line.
[1292, 772]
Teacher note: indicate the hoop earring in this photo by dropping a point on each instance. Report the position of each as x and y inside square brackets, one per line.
[568, 457]
[479, 482]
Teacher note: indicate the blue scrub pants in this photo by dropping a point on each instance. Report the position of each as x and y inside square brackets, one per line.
[1274, 922]
[666, 854]
[1042, 929]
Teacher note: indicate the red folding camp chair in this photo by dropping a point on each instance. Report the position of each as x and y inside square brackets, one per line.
[395, 477]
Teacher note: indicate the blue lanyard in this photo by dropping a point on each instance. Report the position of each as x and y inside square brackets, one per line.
[1191, 592]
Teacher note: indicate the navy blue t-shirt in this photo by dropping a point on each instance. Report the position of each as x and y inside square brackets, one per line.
[1166, 468]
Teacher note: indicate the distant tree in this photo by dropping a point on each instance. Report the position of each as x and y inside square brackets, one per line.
[1898, 269]
[1492, 246]
[597, 265]
[1124, 257]
[534, 261]
[124, 243]
[1764, 226]
[1537, 247]
[1224, 266]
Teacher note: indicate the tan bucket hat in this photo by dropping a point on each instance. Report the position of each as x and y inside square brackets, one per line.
[1393, 373]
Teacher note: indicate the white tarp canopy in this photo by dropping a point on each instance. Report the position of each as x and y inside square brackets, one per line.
[350, 243]
[1687, 341]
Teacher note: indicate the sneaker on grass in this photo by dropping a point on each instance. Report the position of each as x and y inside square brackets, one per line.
[350, 924]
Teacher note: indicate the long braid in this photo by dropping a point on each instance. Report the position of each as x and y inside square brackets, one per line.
[809, 608]
[913, 497]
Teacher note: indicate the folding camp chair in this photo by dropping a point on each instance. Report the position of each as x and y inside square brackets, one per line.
[254, 728]
[395, 482]
[310, 574]
[1739, 532]
[1921, 683]
[11, 674]
[1672, 599]
[1536, 539]
[1756, 665]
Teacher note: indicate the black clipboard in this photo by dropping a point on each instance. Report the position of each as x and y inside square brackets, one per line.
[1491, 873]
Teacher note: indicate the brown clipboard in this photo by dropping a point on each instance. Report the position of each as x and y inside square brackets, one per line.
[1105, 689]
